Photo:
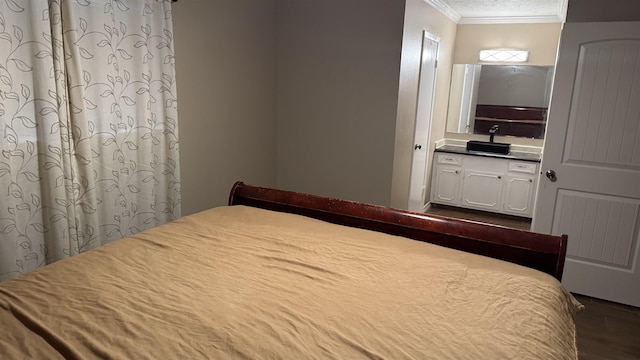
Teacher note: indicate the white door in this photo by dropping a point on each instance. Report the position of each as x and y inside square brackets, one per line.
[593, 147]
[417, 187]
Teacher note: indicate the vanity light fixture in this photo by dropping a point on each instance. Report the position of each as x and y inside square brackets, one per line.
[503, 55]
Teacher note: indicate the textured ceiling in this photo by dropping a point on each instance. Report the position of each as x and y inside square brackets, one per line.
[502, 10]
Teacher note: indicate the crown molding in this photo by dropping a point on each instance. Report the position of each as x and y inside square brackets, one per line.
[510, 19]
[562, 10]
[445, 9]
[449, 12]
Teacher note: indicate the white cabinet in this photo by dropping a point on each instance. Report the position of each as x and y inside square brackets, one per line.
[518, 195]
[447, 185]
[482, 190]
[484, 183]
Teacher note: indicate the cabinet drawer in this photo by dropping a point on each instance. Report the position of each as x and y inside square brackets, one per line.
[449, 159]
[528, 168]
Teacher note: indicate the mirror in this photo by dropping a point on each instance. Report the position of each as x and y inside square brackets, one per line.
[514, 97]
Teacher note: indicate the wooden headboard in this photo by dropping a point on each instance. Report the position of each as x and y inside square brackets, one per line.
[522, 121]
[538, 251]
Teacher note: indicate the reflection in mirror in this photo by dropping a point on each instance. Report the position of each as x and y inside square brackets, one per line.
[514, 97]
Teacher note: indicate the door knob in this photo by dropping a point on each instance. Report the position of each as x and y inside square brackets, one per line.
[417, 147]
[551, 175]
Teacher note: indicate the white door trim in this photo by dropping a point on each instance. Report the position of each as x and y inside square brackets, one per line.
[418, 194]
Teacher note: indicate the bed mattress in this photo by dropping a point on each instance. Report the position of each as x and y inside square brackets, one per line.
[247, 283]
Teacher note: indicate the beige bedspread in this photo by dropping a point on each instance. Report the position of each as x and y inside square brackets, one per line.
[240, 282]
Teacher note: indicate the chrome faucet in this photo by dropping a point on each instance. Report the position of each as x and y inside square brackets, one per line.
[492, 132]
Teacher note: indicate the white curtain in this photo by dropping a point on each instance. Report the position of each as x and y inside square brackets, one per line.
[88, 126]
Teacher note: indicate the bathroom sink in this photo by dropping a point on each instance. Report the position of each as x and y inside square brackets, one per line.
[490, 147]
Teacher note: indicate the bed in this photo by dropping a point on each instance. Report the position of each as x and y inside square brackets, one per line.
[284, 275]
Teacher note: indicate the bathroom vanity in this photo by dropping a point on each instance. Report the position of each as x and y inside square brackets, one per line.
[501, 183]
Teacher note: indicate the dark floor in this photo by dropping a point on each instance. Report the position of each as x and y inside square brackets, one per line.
[482, 216]
[606, 330]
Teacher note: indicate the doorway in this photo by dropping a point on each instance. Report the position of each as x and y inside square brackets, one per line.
[424, 112]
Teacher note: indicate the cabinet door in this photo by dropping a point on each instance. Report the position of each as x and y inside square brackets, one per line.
[482, 190]
[446, 185]
[518, 195]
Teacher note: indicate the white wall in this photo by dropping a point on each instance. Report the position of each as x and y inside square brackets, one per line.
[226, 72]
[338, 69]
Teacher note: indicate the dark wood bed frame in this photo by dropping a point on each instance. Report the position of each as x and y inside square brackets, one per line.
[538, 251]
[526, 121]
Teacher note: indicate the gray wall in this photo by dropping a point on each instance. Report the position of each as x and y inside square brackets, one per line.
[308, 94]
[301, 94]
[226, 71]
[599, 10]
[338, 69]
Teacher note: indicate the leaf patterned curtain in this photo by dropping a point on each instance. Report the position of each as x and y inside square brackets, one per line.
[88, 126]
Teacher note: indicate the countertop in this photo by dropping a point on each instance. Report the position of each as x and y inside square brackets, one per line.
[512, 155]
